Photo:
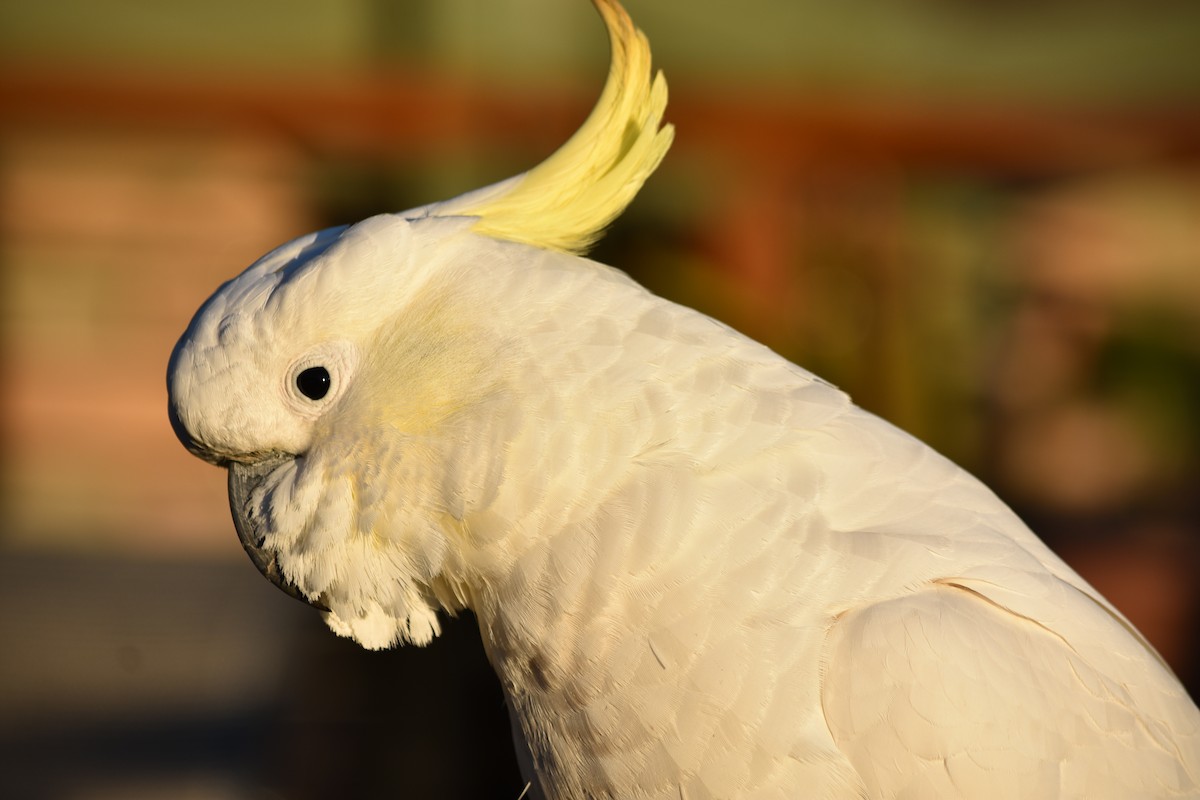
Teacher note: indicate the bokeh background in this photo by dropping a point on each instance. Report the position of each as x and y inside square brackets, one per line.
[981, 218]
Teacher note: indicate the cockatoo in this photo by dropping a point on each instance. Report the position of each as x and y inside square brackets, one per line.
[698, 570]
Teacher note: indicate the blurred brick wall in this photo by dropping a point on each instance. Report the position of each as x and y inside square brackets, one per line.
[109, 240]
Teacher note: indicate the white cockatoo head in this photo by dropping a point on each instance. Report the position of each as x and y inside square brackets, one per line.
[332, 377]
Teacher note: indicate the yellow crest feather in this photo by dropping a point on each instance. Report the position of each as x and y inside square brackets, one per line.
[565, 202]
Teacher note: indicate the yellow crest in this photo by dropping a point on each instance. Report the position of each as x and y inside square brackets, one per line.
[565, 202]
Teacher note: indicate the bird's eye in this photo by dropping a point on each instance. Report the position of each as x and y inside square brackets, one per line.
[313, 382]
[317, 377]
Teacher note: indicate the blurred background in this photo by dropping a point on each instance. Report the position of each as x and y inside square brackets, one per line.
[980, 218]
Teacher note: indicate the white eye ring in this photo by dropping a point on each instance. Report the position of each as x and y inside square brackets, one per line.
[318, 378]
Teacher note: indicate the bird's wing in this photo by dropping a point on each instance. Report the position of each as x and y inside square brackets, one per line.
[950, 692]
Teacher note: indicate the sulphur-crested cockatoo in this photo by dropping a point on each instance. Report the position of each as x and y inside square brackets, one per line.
[699, 570]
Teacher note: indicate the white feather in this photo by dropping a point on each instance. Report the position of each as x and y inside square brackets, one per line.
[699, 571]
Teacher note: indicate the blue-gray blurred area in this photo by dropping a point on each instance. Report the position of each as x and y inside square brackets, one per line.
[981, 218]
[187, 678]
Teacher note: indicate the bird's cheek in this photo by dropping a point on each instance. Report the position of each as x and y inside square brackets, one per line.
[315, 519]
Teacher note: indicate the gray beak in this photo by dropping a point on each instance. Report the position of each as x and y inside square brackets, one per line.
[243, 478]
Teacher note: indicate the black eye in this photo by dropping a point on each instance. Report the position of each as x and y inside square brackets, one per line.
[313, 382]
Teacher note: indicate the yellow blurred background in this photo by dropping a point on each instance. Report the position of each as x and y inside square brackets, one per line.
[982, 219]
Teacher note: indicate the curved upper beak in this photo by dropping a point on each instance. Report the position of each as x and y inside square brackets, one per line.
[243, 479]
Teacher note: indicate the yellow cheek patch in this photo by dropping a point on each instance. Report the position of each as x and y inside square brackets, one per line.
[427, 365]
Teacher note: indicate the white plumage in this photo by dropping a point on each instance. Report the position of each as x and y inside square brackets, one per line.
[699, 571]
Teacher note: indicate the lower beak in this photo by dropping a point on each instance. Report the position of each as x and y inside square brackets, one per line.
[243, 479]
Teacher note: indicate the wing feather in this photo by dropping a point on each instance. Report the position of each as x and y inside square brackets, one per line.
[948, 692]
